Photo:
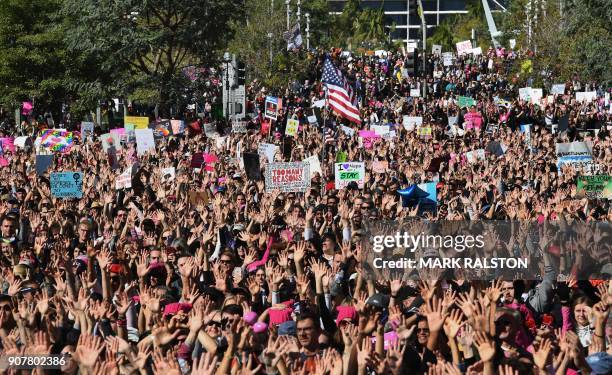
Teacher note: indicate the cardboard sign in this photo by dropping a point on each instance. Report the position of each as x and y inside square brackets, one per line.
[268, 150]
[424, 132]
[43, 162]
[465, 102]
[412, 122]
[292, 127]
[252, 166]
[67, 184]
[315, 165]
[168, 174]
[87, 129]
[124, 180]
[345, 173]
[594, 187]
[145, 141]
[137, 121]
[288, 177]
[379, 166]
[464, 47]
[272, 106]
[436, 49]
[558, 88]
[239, 127]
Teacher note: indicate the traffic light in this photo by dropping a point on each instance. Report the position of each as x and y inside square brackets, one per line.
[240, 73]
[412, 63]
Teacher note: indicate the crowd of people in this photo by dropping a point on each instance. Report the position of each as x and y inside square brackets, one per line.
[205, 271]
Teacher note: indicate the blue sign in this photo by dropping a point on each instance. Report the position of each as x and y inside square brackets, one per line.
[67, 184]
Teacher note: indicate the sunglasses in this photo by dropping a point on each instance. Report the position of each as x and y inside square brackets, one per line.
[215, 324]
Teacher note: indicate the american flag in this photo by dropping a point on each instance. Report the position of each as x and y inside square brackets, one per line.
[339, 92]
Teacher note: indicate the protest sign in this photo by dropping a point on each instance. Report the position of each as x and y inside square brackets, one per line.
[292, 127]
[210, 129]
[424, 132]
[162, 129]
[22, 141]
[558, 88]
[577, 154]
[67, 184]
[525, 93]
[379, 166]
[315, 165]
[319, 103]
[464, 47]
[130, 134]
[587, 96]
[473, 156]
[252, 166]
[119, 135]
[594, 187]
[535, 95]
[348, 131]
[137, 121]
[380, 129]
[7, 144]
[453, 120]
[56, 140]
[168, 174]
[272, 106]
[178, 126]
[124, 180]
[87, 129]
[465, 101]
[239, 127]
[43, 162]
[412, 122]
[268, 150]
[288, 177]
[108, 140]
[476, 51]
[526, 129]
[345, 173]
[512, 43]
[436, 49]
[312, 120]
[415, 93]
[447, 58]
[144, 141]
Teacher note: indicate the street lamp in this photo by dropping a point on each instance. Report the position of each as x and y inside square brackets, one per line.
[227, 58]
[288, 3]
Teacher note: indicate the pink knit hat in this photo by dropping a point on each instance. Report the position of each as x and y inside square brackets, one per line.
[346, 312]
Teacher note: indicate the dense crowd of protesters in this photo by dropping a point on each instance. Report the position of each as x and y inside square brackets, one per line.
[244, 281]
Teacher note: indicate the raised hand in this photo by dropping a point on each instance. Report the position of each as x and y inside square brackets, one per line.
[453, 323]
[435, 313]
[88, 350]
[485, 346]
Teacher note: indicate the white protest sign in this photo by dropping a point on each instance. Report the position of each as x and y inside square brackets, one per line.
[145, 141]
[415, 93]
[345, 173]
[512, 43]
[168, 174]
[124, 180]
[464, 47]
[558, 88]
[268, 150]
[348, 131]
[380, 129]
[475, 155]
[239, 127]
[447, 58]
[288, 177]
[525, 93]
[319, 103]
[412, 122]
[315, 165]
[587, 96]
[436, 49]
[535, 95]
[476, 51]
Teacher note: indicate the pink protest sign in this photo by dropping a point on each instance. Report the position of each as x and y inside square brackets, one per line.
[8, 143]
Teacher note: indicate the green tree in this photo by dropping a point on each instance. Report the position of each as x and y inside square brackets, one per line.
[32, 54]
[151, 41]
[444, 35]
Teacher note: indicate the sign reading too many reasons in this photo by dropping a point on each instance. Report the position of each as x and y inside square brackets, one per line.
[288, 177]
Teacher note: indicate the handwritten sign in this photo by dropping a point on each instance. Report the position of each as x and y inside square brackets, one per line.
[594, 187]
[464, 47]
[239, 127]
[124, 180]
[345, 173]
[292, 127]
[87, 129]
[67, 184]
[288, 177]
[145, 141]
[412, 122]
[137, 121]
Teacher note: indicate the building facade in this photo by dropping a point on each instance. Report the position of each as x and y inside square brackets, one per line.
[404, 14]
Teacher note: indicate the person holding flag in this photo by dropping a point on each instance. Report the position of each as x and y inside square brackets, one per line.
[340, 95]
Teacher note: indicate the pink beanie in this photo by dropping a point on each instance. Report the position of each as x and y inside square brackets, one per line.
[346, 312]
[280, 316]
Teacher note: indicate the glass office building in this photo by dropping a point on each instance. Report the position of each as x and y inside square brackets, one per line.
[405, 16]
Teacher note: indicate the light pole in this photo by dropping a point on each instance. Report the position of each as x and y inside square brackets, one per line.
[307, 31]
[227, 58]
[288, 3]
[299, 11]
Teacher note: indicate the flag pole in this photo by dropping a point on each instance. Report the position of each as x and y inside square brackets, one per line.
[323, 144]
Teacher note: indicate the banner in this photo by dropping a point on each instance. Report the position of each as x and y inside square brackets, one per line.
[67, 184]
[345, 173]
[464, 47]
[124, 180]
[56, 140]
[288, 177]
[292, 127]
[87, 129]
[465, 101]
[137, 121]
[273, 105]
[577, 154]
[594, 187]
[144, 141]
